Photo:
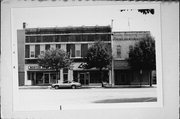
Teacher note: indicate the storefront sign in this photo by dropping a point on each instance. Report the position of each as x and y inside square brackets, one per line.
[35, 67]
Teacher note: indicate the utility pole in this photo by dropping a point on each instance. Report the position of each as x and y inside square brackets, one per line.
[112, 72]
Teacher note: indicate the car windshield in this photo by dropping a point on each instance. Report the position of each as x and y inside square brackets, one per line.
[67, 82]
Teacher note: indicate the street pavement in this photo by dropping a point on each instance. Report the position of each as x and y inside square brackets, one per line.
[42, 98]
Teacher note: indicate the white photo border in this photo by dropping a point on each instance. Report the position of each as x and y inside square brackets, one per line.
[159, 102]
[166, 109]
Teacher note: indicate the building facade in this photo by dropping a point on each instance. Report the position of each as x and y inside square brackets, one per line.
[123, 73]
[76, 40]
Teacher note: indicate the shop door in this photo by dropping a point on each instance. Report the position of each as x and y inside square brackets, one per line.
[53, 78]
[46, 78]
[84, 78]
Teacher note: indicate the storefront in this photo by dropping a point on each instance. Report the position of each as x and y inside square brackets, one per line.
[35, 75]
[42, 77]
[89, 76]
[124, 75]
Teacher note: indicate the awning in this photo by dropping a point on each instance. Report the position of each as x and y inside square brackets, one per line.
[79, 66]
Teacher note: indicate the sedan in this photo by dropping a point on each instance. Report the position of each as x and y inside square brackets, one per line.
[66, 84]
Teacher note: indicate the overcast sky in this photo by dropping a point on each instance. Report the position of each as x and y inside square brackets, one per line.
[87, 16]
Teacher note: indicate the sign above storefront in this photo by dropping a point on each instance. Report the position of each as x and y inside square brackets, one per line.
[35, 68]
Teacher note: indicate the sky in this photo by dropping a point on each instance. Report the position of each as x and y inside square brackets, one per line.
[88, 16]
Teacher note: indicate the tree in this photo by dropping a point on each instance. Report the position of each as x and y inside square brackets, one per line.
[142, 55]
[54, 59]
[98, 56]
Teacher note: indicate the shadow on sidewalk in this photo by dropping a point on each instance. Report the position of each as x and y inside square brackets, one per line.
[128, 100]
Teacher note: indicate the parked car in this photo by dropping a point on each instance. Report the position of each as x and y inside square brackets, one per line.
[66, 84]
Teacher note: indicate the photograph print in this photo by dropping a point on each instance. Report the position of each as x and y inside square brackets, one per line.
[71, 57]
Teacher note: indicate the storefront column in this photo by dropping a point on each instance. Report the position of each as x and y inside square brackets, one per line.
[78, 77]
[26, 77]
[34, 81]
[26, 80]
[110, 77]
[70, 75]
[61, 76]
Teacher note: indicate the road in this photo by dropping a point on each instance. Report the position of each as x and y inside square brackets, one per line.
[43, 98]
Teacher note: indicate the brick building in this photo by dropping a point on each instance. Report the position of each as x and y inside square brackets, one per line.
[74, 40]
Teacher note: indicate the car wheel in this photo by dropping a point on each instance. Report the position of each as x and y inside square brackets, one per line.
[56, 87]
[73, 87]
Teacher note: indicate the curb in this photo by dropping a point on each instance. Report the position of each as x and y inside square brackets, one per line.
[89, 87]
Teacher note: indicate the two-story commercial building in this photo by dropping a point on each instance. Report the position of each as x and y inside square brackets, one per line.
[74, 40]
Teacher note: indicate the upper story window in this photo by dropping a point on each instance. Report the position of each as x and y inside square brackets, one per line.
[78, 53]
[27, 49]
[48, 38]
[58, 46]
[32, 51]
[118, 51]
[78, 50]
[47, 46]
[32, 54]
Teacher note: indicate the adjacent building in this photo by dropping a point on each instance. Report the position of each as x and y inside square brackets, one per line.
[123, 73]
[76, 41]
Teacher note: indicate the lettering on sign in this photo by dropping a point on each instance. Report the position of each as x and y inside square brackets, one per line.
[34, 67]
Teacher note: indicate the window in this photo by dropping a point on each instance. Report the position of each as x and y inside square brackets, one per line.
[32, 51]
[58, 46]
[47, 46]
[71, 49]
[78, 50]
[38, 39]
[84, 50]
[58, 38]
[42, 48]
[37, 50]
[32, 39]
[27, 49]
[32, 54]
[65, 74]
[118, 51]
[78, 53]
[27, 39]
[47, 38]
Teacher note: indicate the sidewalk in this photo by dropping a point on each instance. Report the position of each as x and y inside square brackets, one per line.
[34, 87]
[85, 87]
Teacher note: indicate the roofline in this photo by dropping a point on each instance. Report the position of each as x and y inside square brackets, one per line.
[129, 31]
[83, 26]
